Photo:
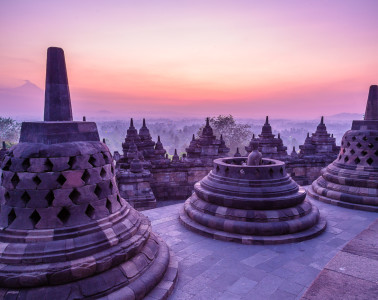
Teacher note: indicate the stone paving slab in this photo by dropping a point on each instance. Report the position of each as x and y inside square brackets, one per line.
[352, 273]
[213, 269]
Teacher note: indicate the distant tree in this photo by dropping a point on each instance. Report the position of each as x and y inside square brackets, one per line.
[234, 134]
[9, 130]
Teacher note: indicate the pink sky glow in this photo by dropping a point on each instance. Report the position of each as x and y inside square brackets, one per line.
[169, 58]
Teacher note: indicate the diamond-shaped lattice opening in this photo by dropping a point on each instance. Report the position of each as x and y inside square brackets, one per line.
[227, 170]
[106, 158]
[90, 211]
[370, 145]
[61, 179]
[348, 144]
[359, 145]
[26, 164]
[364, 138]
[7, 165]
[98, 191]
[376, 153]
[49, 165]
[50, 197]
[35, 217]
[342, 143]
[353, 138]
[63, 215]
[111, 186]
[217, 168]
[344, 150]
[109, 205]
[357, 160]
[85, 177]
[257, 170]
[25, 197]
[72, 161]
[281, 171]
[369, 160]
[7, 196]
[37, 180]
[352, 151]
[15, 180]
[271, 172]
[363, 152]
[339, 157]
[346, 158]
[102, 173]
[92, 161]
[74, 195]
[11, 216]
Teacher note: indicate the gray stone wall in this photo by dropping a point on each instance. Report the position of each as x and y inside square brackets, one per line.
[176, 183]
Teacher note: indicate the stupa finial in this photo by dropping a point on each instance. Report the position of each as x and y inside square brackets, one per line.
[371, 112]
[267, 120]
[57, 93]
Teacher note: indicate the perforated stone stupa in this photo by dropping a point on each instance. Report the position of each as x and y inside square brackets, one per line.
[251, 201]
[65, 232]
[352, 179]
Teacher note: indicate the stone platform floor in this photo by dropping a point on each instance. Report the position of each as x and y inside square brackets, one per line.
[211, 269]
[352, 273]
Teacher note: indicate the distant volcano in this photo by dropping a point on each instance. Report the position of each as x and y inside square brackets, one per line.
[28, 96]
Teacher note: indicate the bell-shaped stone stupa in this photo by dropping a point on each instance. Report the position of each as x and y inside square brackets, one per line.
[251, 201]
[65, 232]
[352, 179]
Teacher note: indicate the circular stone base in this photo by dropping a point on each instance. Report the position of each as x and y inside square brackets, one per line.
[313, 195]
[134, 289]
[161, 291]
[167, 284]
[252, 239]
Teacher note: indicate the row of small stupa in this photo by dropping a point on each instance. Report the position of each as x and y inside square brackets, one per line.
[144, 171]
[320, 142]
[66, 233]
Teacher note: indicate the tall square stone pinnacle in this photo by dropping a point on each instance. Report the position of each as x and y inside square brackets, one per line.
[371, 112]
[57, 93]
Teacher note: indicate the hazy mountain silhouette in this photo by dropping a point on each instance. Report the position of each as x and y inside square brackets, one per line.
[28, 97]
[345, 116]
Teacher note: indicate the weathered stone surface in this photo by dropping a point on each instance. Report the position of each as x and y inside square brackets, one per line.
[57, 93]
[317, 152]
[371, 112]
[352, 273]
[134, 186]
[352, 179]
[65, 231]
[269, 146]
[257, 204]
[171, 179]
